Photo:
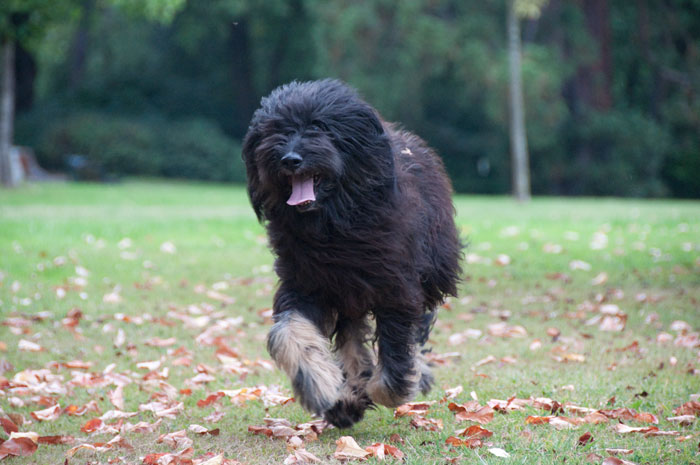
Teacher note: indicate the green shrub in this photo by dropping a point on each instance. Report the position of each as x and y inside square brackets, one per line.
[194, 149]
[197, 149]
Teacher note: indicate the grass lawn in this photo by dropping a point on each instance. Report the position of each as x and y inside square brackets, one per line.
[592, 302]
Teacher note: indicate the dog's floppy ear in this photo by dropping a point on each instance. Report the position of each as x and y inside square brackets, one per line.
[250, 143]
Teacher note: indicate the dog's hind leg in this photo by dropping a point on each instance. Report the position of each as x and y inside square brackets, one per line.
[426, 375]
[397, 377]
[301, 349]
[357, 363]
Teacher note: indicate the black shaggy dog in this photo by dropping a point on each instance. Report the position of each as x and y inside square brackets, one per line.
[360, 217]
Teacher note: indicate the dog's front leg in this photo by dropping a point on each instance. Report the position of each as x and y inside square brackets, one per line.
[396, 378]
[299, 345]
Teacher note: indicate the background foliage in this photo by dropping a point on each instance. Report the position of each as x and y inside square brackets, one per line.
[611, 88]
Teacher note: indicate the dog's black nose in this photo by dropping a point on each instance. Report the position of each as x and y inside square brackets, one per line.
[291, 160]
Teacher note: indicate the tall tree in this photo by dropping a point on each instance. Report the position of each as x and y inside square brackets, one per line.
[518, 138]
[7, 110]
[515, 10]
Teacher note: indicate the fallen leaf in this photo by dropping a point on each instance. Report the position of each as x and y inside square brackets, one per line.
[412, 408]
[175, 440]
[689, 408]
[8, 425]
[348, 449]
[483, 415]
[682, 420]
[474, 431]
[29, 346]
[535, 420]
[56, 440]
[601, 278]
[380, 450]
[301, 456]
[18, 446]
[48, 414]
[201, 430]
[585, 438]
[619, 451]
[428, 424]
[453, 392]
[498, 452]
[472, 443]
[91, 425]
[616, 461]
[116, 397]
[624, 429]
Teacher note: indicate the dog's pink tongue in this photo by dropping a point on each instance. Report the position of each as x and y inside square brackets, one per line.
[302, 190]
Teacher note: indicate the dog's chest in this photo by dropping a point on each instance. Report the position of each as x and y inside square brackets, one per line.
[342, 275]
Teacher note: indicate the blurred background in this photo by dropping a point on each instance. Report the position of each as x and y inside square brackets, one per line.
[104, 89]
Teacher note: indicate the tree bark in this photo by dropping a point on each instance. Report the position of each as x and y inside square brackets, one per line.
[7, 110]
[595, 79]
[518, 140]
[79, 46]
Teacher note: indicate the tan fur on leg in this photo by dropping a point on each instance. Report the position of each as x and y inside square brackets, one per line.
[380, 392]
[299, 348]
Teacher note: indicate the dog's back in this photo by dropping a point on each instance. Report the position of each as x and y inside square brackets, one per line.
[427, 197]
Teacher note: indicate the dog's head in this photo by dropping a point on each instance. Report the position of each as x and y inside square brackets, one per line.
[312, 145]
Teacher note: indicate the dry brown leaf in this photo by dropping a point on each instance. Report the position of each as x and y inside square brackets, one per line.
[498, 452]
[380, 450]
[184, 457]
[91, 425]
[116, 397]
[616, 461]
[562, 423]
[474, 431]
[453, 392]
[619, 451]
[56, 440]
[624, 429]
[585, 438]
[8, 425]
[74, 410]
[48, 414]
[428, 424]
[175, 440]
[689, 408]
[348, 449]
[201, 430]
[472, 443]
[412, 408]
[682, 420]
[301, 456]
[19, 445]
[535, 420]
[483, 415]
[594, 418]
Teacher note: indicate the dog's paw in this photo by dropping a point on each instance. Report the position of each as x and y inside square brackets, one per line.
[381, 392]
[347, 411]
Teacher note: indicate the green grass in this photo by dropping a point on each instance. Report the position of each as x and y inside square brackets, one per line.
[653, 248]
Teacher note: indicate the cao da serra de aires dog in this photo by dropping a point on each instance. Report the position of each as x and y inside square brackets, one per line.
[360, 218]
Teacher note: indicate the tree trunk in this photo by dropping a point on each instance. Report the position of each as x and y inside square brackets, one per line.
[518, 140]
[595, 79]
[79, 46]
[7, 110]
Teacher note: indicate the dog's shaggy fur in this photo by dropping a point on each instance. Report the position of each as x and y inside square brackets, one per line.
[360, 217]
